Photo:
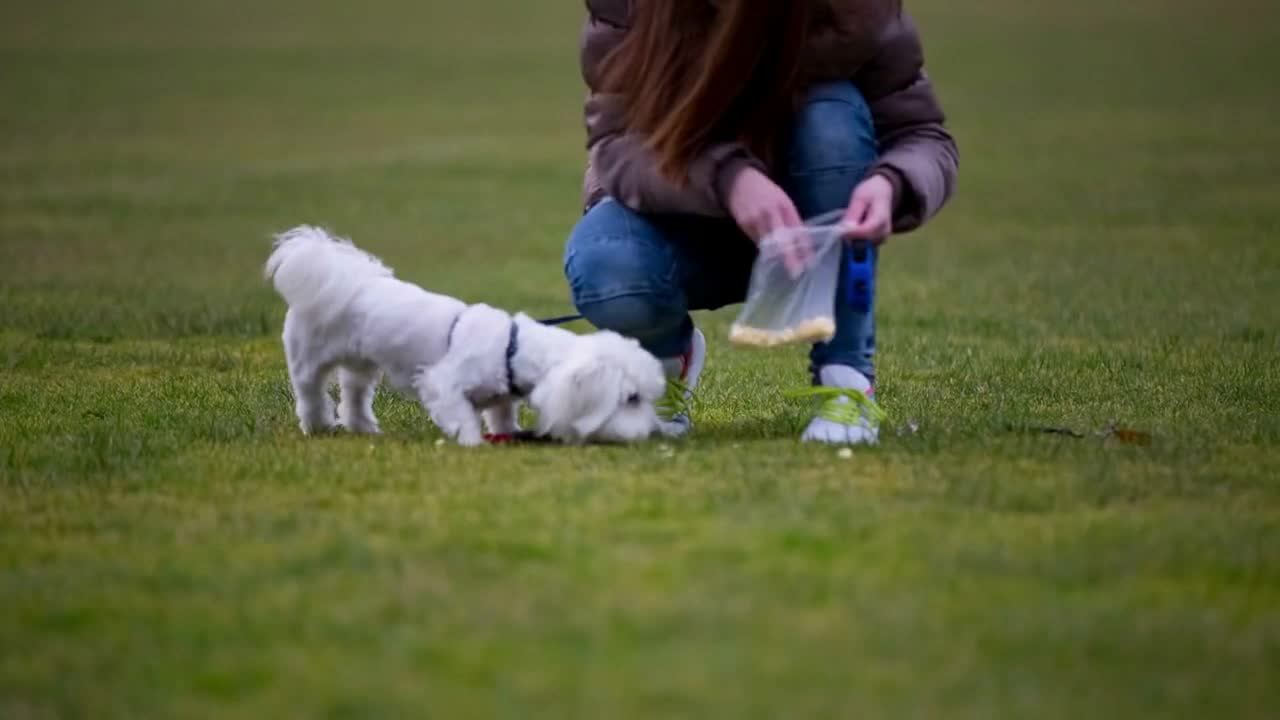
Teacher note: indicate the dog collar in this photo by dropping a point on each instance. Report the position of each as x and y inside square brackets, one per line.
[513, 347]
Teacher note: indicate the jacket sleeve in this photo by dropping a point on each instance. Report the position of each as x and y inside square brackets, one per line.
[625, 167]
[917, 151]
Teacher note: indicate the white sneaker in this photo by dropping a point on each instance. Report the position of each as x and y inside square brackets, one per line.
[849, 415]
[683, 371]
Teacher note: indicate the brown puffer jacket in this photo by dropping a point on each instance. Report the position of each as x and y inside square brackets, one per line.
[883, 58]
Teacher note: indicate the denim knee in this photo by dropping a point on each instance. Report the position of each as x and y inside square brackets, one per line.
[833, 145]
[833, 129]
[622, 275]
[661, 326]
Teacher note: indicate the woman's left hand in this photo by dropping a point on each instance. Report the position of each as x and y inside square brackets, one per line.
[870, 214]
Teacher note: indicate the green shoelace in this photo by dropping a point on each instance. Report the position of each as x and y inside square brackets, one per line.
[859, 408]
[677, 401]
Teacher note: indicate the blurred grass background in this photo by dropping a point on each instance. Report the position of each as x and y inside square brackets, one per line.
[169, 546]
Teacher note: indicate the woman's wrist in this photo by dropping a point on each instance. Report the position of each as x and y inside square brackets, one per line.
[727, 174]
[895, 181]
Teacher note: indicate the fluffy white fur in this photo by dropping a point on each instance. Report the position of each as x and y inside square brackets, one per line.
[349, 313]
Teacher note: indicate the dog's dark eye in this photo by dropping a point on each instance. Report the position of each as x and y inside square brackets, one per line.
[633, 399]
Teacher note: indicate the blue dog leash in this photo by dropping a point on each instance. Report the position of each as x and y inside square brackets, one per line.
[859, 277]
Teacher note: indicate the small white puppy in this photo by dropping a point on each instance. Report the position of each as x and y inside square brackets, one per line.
[347, 312]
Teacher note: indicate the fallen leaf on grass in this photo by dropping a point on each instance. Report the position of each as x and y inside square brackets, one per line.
[1127, 436]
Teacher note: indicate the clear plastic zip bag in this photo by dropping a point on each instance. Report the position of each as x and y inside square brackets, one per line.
[794, 282]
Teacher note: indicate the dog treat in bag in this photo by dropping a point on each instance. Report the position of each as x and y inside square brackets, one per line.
[792, 295]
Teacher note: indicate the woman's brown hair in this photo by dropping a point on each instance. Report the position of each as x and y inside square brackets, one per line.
[693, 72]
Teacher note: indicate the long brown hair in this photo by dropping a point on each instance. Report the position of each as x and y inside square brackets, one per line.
[693, 72]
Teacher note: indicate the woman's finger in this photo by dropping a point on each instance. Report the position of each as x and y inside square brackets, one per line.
[857, 214]
[873, 226]
[779, 228]
[801, 247]
[789, 215]
[759, 227]
[805, 251]
[799, 256]
[882, 224]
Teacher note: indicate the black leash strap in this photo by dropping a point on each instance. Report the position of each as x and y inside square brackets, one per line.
[562, 320]
[513, 347]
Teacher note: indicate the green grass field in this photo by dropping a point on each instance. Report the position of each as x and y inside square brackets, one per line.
[171, 547]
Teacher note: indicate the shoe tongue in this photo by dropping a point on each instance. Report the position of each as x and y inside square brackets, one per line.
[843, 376]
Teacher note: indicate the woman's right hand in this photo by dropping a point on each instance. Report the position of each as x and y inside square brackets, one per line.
[759, 207]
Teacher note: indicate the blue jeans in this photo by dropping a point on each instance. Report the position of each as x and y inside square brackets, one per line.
[640, 275]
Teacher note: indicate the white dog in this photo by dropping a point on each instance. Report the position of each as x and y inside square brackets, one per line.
[348, 312]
